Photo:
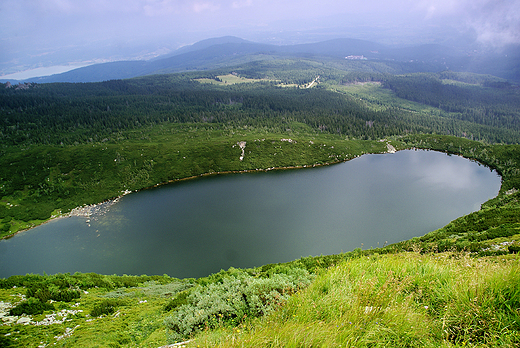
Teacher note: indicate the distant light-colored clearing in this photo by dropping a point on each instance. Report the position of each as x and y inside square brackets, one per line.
[357, 83]
[458, 83]
[378, 98]
[230, 79]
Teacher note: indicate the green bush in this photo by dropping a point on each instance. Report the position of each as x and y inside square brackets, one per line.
[39, 291]
[5, 228]
[232, 300]
[6, 342]
[177, 301]
[65, 295]
[514, 249]
[4, 212]
[19, 280]
[45, 292]
[105, 307]
[32, 306]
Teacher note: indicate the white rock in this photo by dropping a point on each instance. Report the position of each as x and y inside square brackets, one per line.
[9, 319]
[24, 320]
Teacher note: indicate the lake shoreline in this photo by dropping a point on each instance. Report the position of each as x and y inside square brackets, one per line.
[153, 232]
[85, 211]
[79, 211]
[82, 210]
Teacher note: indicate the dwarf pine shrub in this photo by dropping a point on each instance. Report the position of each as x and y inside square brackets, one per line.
[229, 302]
[45, 293]
[32, 306]
[105, 307]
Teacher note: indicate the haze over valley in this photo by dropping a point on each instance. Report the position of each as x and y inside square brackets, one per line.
[459, 35]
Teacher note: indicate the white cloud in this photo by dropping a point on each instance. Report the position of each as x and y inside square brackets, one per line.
[242, 3]
[154, 8]
[199, 7]
[498, 22]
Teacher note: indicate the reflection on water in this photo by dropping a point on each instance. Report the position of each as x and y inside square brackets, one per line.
[194, 228]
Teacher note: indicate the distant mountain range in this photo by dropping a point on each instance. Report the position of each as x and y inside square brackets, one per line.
[228, 51]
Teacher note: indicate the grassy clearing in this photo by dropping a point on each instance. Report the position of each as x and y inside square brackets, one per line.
[232, 79]
[402, 300]
[229, 79]
[459, 83]
[378, 98]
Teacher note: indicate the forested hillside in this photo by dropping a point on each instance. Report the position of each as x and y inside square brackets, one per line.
[467, 97]
[65, 114]
[64, 145]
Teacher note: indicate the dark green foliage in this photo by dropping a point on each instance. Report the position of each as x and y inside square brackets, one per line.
[514, 249]
[6, 341]
[20, 280]
[44, 294]
[5, 228]
[105, 307]
[64, 113]
[32, 306]
[179, 300]
[495, 105]
[35, 282]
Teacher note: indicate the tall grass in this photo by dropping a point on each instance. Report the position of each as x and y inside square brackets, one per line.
[403, 300]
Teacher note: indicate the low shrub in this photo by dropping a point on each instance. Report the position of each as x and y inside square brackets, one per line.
[6, 342]
[32, 306]
[229, 302]
[45, 293]
[177, 301]
[514, 249]
[105, 307]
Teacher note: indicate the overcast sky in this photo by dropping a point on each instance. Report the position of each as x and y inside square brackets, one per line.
[40, 31]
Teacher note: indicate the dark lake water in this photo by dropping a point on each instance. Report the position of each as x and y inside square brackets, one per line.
[197, 227]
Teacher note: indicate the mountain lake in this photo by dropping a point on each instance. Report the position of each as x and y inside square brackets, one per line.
[197, 227]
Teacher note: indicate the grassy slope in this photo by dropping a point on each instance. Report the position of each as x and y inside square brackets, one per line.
[406, 299]
[401, 300]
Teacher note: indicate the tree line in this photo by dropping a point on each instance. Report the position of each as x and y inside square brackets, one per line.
[66, 113]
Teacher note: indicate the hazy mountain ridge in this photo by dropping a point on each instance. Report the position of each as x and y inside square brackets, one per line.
[229, 50]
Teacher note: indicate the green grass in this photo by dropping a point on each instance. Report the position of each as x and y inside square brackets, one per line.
[402, 300]
[112, 311]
